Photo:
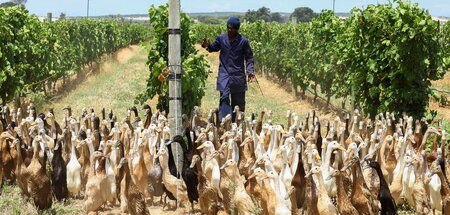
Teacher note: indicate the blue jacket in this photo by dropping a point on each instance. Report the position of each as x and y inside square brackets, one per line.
[231, 69]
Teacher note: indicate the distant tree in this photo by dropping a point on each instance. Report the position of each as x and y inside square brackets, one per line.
[62, 16]
[303, 14]
[211, 20]
[19, 1]
[264, 14]
[260, 14]
[8, 4]
[276, 17]
[251, 16]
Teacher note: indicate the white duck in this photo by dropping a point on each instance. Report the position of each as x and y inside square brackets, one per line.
[330, 185]
[73, 173]
[434, 187]
[210, 166]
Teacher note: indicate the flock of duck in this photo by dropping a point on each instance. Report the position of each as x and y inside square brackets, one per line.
[246, 166]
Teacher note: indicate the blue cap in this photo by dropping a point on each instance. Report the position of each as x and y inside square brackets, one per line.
[233, 22]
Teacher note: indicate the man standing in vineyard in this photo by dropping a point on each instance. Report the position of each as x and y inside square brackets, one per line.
[231, 81]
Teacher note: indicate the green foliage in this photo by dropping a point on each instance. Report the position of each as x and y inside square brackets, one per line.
[32, 52]
[392, 53]
[201, 31]
[446, 31]
[194, 66]
[25, 49]
[303, 14]
[322, 38]
[385, 55]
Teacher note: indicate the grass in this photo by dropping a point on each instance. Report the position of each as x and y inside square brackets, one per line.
[121, 78]
[12, 202]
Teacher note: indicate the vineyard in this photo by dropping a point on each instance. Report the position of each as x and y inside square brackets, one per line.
[34, 54]
[383, 57]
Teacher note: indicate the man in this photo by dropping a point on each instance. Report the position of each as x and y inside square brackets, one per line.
[231, 81]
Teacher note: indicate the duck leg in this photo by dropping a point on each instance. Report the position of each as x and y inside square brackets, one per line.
[165, 201]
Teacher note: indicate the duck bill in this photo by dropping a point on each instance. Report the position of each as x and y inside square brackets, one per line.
[308, 175]
[192, 165]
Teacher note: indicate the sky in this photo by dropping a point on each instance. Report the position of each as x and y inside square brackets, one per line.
[107, 7]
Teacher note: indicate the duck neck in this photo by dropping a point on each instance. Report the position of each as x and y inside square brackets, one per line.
[399, 175]
[434, 146]
[295, 158]
[319, 179]
[271, 148]
[424, 141]
[127, 178]
[381, 154]
[141, 156]
[164, 165]
[233, 174]
[383, 182]
[359, 183]
[148, 119]
[327, 159]
[306, 127]
[36, 149]
[403, 150]
[26, 135]
[355, 172]
[343, 199]
[85, 154]
[260, 120]
[444, 184]
[19, 157]
[267, 185]
[259, 150]
[198, 165]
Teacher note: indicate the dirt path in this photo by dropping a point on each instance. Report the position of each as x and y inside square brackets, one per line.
[121, 77]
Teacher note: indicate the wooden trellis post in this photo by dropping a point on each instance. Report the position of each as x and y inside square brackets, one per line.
[175, 108]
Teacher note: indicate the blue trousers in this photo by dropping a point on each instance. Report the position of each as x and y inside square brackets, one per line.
[226, 108]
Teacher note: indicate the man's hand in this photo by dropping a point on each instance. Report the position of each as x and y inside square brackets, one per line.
[205, 42]
[251, 77]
